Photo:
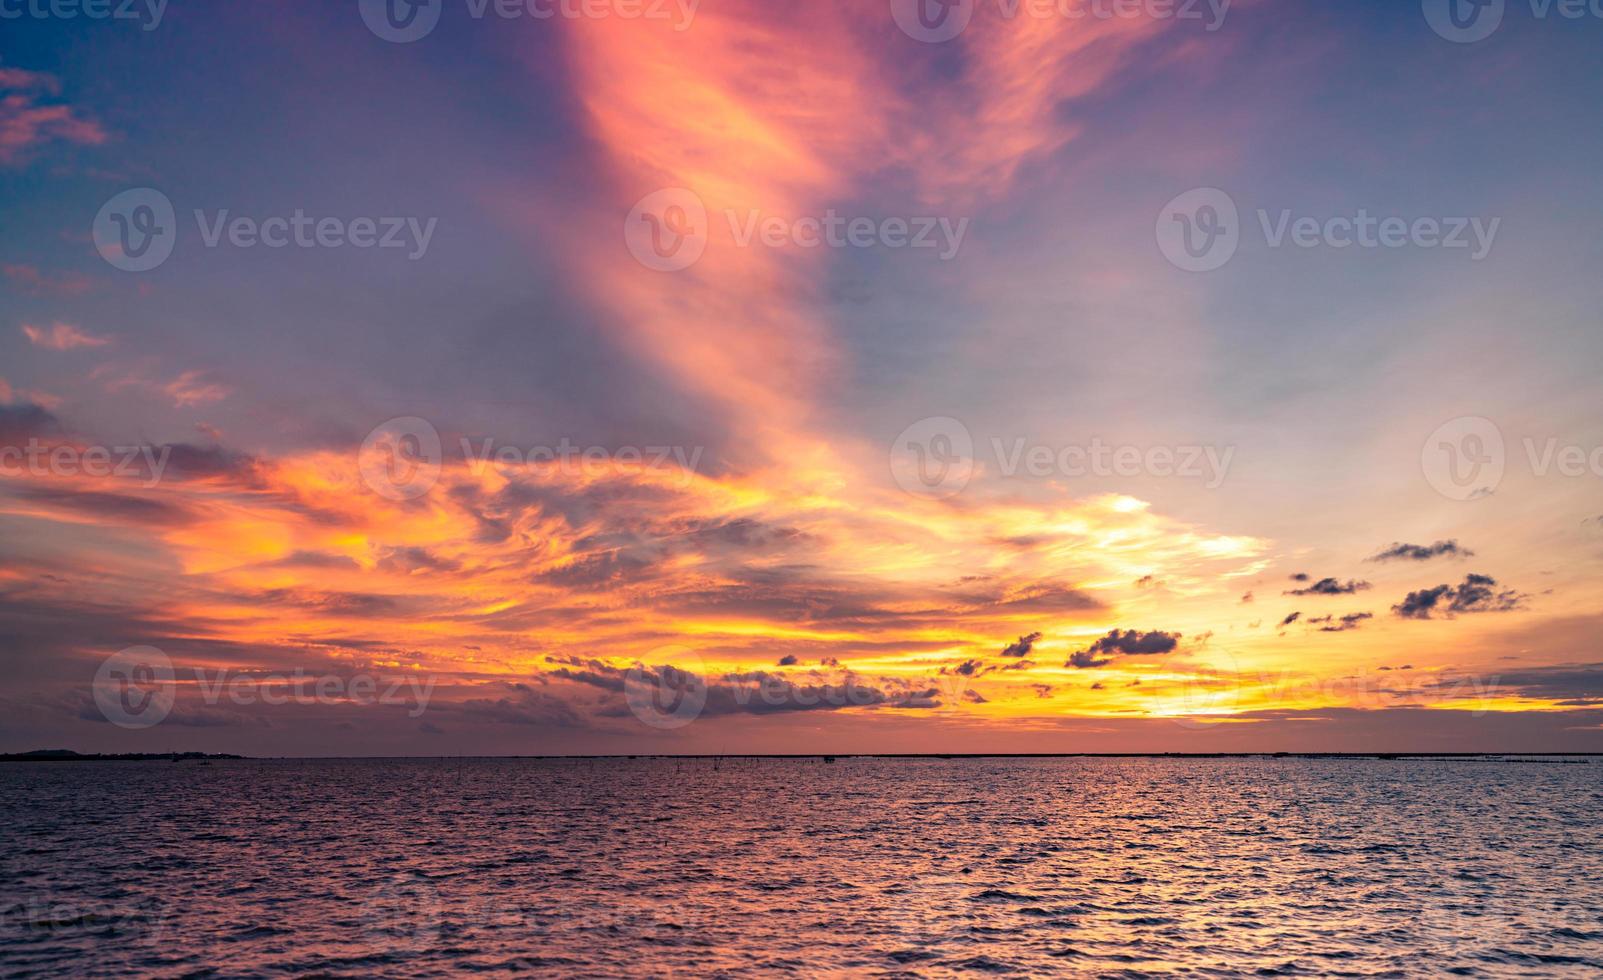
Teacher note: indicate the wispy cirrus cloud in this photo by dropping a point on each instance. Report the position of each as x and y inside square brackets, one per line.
[62, 337]
[29, 279]
[29, 120]
[187, 390]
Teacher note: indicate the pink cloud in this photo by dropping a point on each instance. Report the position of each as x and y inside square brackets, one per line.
[28, 279]
[21, 78]
[62, 337]
[191, 388]
[10, 395]
[26, 124]
[187, 390]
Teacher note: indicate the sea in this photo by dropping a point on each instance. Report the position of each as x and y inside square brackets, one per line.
[1106, 867]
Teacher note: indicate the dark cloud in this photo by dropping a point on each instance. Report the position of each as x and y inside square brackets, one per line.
[604, 677]
[1300, 577]
[751, 693]
[741, 533]
[1330, 624]
[407, 560]
[1291, 619]
[1420, 604]
[183, 715]
[1023, 647]
[190, 462]
[600, 571]
[789, 660]
[22, 421]
[1476, 594]
[119, 508]
[1329, 586]
[359, 604]
[524, 705]
[1125, 642]
[1246, 599]
[313, 559]
[1418, 552]
[1570, 684]
[1479, 593]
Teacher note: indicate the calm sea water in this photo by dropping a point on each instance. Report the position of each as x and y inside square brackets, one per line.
[746, 867]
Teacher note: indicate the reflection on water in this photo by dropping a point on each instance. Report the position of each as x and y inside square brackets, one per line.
[928, 867]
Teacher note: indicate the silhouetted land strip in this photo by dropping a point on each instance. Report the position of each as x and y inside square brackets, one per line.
[67, 755]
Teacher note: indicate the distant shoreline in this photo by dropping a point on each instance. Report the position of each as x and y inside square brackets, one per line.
[67, 755]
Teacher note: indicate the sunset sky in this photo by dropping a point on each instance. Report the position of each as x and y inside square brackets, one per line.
[1275, 555]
